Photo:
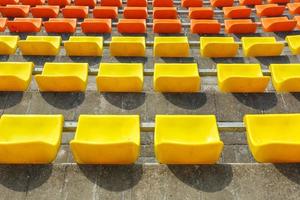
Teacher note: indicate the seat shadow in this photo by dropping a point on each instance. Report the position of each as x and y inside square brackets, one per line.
[260, 101]
[39, 60]
[113, 177]
[122, 59]
[13, 98]
[207, 178]
[91, 60]
[187, 100]
[266, 60]
[127, 101]
[296, 95]
[4, 57]
[64, 100]
[178, 59]
[290, 171]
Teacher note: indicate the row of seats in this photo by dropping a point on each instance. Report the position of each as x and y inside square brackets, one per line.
[128, 77]
[136, 46]
[235, 12]
[115, 139]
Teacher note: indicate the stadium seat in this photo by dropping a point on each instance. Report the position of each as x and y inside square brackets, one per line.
[218, 47]
[105, 12]
[294, 8]
[278, 1]
[75, 11]
[167, 26]
[176, 77]
[40, 45]
[205, 26]
[45, 11]
[28, 25]
[261, 46]
[90, 3]
[221, 3]
[106, 139]
[8, 2]
[164, 13]
[32, 2]
[250, 2]
[127, 46]
[187, 139]
[294, 43]
[61, 3]
[135, 13]
[137, 3]
[120, 77]
[63, 77]
[201, 13]
[15, 10]
[94, 25]
[60, 25]
[132, 26]
[3, 23]
[278, 24]
[191, 3]
[241, 78]
[84, 46]
[171, 47]
[237, 12]
[8, 44]
[163, 3]
[274, 138]
[240, 26]
[15, 76]
[269, 10]
[297, 18]
[117, 3]
[35, 140]
[286, 77]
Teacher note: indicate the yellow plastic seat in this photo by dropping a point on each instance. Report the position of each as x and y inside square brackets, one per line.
[261, 46]
[217, 47]
[120, 77]
[286, 77]
[106, 139]
[128, 46]
[31, 139]
[84, 46]
[63, 77]
[8, 44]
[176, 77]
[171, 47]
[187, 139]
[294, 43]
[15, 76]
[40, 45]
[241, 78]
[274, 138]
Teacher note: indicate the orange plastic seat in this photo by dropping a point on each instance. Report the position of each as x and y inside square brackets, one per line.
[240, 26]
[279, 1]
[162, 3]
[132, 26]
[32, 2]
[93, 25]
[117, 3]
[90, 3]
[294, 8]
[166, 26]
[278, 24]
[269, 10]
[297, 18]
[61, 3]
[45, 11]
[105, 12]
[201, 13]
[75, 11]
[205, 26]
[237, 12]
[191, 3]
[27, 25]
[3, 22]
[137, 3]
[8, 2]
[164, 13]
[15, 10]
[221, 3]
[135, 13]
[60, 25]
[250, 2]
